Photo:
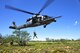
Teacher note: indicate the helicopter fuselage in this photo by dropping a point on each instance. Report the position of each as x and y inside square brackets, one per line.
[43, 21]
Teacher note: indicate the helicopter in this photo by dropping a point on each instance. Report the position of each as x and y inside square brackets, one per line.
[36, 20]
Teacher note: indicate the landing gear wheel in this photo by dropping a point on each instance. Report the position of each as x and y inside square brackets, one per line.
[44, 26]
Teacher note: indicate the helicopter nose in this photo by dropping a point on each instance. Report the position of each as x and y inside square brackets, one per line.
[54, 20]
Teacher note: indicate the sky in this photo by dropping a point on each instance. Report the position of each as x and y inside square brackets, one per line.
[67, 27]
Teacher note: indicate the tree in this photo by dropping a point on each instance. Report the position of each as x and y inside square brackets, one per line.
[48, 40]
[12, 39]
[1, 39]
[78, 39]
[22, 37]
[9, 39]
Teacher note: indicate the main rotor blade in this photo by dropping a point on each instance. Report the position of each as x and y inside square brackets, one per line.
[48, 2]
[58, 17]
[13, 8]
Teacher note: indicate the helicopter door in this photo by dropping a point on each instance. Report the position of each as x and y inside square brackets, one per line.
[39, 18]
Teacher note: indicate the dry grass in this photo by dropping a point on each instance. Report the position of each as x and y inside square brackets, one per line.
[42, 47]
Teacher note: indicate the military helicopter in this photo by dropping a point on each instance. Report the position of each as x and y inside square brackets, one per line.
[36, 20]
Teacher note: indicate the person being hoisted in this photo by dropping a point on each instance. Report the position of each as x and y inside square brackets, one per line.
[35, 35]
